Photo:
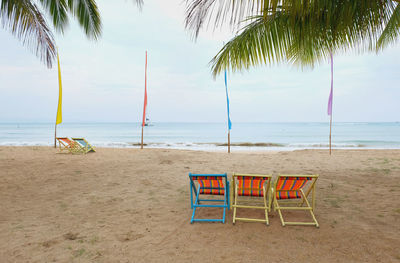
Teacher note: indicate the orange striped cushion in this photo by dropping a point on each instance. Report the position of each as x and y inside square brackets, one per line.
[288, 195]
[251, 186]
[66, 140]
[210, 185]
[292, 183]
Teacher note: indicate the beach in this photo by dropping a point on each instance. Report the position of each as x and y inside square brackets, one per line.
[132, 205]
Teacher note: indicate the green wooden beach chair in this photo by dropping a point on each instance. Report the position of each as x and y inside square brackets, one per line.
[66, 145]
[84, 145]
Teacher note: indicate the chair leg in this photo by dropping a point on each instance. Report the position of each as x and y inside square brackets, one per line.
[266, 207]
[311, 210]
[276, 207]
[226, 200]
[194, 207]
[315, 220]
[228, 195]
[234, 207]
[191, 194]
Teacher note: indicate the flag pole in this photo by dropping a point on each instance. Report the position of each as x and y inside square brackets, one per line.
[141, 144]
[330, 102]
[229, 141]
[55, 136]
[145, 101]
[330, 136]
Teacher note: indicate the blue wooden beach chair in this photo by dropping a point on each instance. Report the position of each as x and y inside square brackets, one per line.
[209, 184]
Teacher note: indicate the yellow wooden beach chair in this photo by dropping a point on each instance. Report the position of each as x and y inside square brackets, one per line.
[252, 186]
[67, 145]
[290, 192]
[84, 145]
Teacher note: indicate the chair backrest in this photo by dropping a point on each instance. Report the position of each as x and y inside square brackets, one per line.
[210, 183]
[293, 182]
[81, 141]
[65, 140]
[251, 184]
[289, 186]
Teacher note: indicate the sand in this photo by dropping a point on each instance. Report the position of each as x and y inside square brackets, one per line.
[131, 205]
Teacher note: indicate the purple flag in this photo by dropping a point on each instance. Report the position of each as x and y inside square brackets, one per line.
[331, 94]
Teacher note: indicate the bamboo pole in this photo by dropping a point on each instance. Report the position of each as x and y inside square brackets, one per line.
[330, 136]
[141, 144]
[229, 141]
[330, 122]
[55, 136]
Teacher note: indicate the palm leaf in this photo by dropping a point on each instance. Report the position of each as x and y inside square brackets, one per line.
[88, 16]
[391, 32]
[199, 12]
[304, 35]
[25, 21]
[262, 41]
[58, 12]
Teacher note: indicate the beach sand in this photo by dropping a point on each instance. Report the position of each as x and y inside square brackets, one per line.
[131, 205]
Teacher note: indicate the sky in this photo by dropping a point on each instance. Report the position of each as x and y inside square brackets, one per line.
[103, 81]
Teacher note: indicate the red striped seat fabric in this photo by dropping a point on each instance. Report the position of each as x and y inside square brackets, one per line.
[289, 187]
[288, 195]
[210, 185]
[251, 185]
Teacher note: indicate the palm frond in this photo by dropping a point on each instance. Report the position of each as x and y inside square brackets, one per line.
[26, 22]
[262, 41]
[391, 33]
[58, 12]
[199, 12]
[304, 35]
[88, 16]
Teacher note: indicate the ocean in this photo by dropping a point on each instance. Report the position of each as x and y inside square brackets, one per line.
[211, 136]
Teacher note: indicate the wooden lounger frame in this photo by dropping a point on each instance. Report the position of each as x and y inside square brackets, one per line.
[84, 149]
[303, 200]
[265, 203]
[195, 194]
[64, 147]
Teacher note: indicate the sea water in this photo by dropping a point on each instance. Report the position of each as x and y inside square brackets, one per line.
[210, 136]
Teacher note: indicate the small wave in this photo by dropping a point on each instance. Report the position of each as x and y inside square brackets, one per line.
[249, 144]
[30, 143]
[325, 145]
[112, 144]
[208, 144]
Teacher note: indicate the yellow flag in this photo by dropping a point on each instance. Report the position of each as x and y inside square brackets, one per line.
[59, 114]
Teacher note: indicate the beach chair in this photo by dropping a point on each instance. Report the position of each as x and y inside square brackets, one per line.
[208, 184]
[67, 145]
[84, 145]
[290, 192]
[252, 186]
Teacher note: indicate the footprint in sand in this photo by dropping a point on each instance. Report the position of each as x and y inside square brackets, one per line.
[130, 236]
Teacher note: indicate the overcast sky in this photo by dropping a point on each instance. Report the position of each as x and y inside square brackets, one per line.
[103, 81]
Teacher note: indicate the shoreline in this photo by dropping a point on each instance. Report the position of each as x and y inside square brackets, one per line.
[234, 149]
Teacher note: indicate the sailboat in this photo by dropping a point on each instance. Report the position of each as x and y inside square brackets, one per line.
[147, 122]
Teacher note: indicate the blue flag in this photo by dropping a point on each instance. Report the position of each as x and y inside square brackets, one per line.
[227, 104]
